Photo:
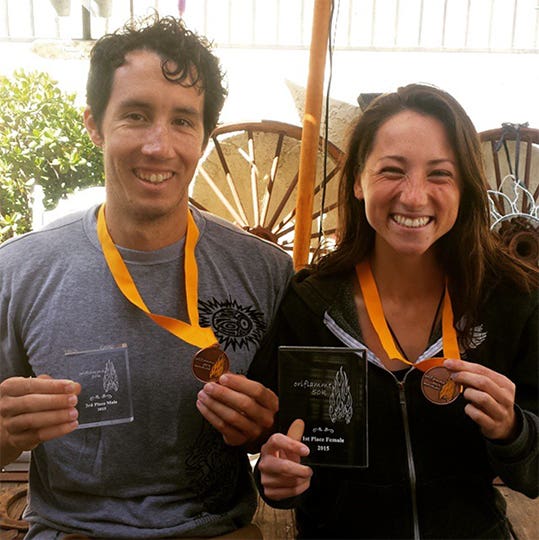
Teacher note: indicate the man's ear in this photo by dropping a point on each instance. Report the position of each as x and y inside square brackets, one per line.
[205, 142]
[92, 128]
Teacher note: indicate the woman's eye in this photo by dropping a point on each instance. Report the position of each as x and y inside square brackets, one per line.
[392, 173]
[440, 174]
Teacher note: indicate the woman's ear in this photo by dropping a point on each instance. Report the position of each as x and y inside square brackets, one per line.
[92, 128]
[358, 190]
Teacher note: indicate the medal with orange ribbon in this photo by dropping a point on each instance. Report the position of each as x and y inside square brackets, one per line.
[210, 362]
[436, 383]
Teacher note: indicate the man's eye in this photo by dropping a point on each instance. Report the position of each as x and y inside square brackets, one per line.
[183, 122]
[137, 117]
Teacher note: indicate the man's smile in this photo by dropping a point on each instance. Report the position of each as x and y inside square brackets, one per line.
[154, 177]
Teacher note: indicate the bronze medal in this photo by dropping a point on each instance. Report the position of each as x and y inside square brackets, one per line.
[438, 387]
[209, 364]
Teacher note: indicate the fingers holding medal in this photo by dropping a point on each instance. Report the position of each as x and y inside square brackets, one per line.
[490, 396]
[239, 408]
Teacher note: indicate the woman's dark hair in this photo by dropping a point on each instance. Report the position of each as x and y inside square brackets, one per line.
[472, 256]
[185, 59]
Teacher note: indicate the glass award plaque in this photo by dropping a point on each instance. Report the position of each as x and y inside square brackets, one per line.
[327, 388]
[105, 397]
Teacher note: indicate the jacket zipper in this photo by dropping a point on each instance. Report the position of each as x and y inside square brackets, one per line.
[351, 342]
[410, 456]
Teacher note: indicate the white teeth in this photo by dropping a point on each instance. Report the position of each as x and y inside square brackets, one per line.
[154, 178]
[411, 222]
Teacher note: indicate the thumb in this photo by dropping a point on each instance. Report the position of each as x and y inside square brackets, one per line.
[296, 429]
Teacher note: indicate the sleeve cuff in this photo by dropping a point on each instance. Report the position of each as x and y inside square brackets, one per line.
[516, 449]
[284, 504]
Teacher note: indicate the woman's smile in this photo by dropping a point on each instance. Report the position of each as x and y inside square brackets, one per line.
[410, 222]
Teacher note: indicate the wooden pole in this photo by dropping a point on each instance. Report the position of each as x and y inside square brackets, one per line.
[311, 132]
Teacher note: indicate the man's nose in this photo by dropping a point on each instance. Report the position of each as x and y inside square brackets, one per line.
[158, 142]
[414, 189]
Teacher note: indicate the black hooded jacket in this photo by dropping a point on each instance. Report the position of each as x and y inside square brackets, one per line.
[431, 470]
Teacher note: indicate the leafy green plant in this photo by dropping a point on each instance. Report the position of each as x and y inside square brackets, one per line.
[42, 141]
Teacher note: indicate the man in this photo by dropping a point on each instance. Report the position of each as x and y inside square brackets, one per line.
[103, 315]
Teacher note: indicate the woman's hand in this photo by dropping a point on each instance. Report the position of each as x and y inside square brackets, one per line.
[281, 472]
[491, 398]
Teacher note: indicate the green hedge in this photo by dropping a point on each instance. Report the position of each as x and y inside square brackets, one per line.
[42, 140]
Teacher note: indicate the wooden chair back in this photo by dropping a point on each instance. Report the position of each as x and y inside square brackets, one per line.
[249, 176]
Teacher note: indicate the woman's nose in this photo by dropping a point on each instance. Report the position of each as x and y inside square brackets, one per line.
[414, 190]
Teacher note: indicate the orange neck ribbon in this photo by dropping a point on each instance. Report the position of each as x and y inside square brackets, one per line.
[192, 333]
[374, 308]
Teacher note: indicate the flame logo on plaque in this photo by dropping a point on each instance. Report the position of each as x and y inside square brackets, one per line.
[110, 378]
[341, 406]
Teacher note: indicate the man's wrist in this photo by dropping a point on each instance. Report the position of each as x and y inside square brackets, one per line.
[8, 452]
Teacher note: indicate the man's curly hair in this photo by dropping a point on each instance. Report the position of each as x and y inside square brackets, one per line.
[186, 60]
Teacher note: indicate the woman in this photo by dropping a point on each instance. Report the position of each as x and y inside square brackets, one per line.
[415, 238]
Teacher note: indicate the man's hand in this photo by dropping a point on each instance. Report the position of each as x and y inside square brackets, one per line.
[34, 410]
[491, 398]
[281, 472]
[241, 409]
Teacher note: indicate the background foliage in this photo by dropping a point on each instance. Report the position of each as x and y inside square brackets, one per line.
[42, 140]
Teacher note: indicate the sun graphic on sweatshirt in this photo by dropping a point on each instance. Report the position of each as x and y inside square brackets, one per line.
[234, 325]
